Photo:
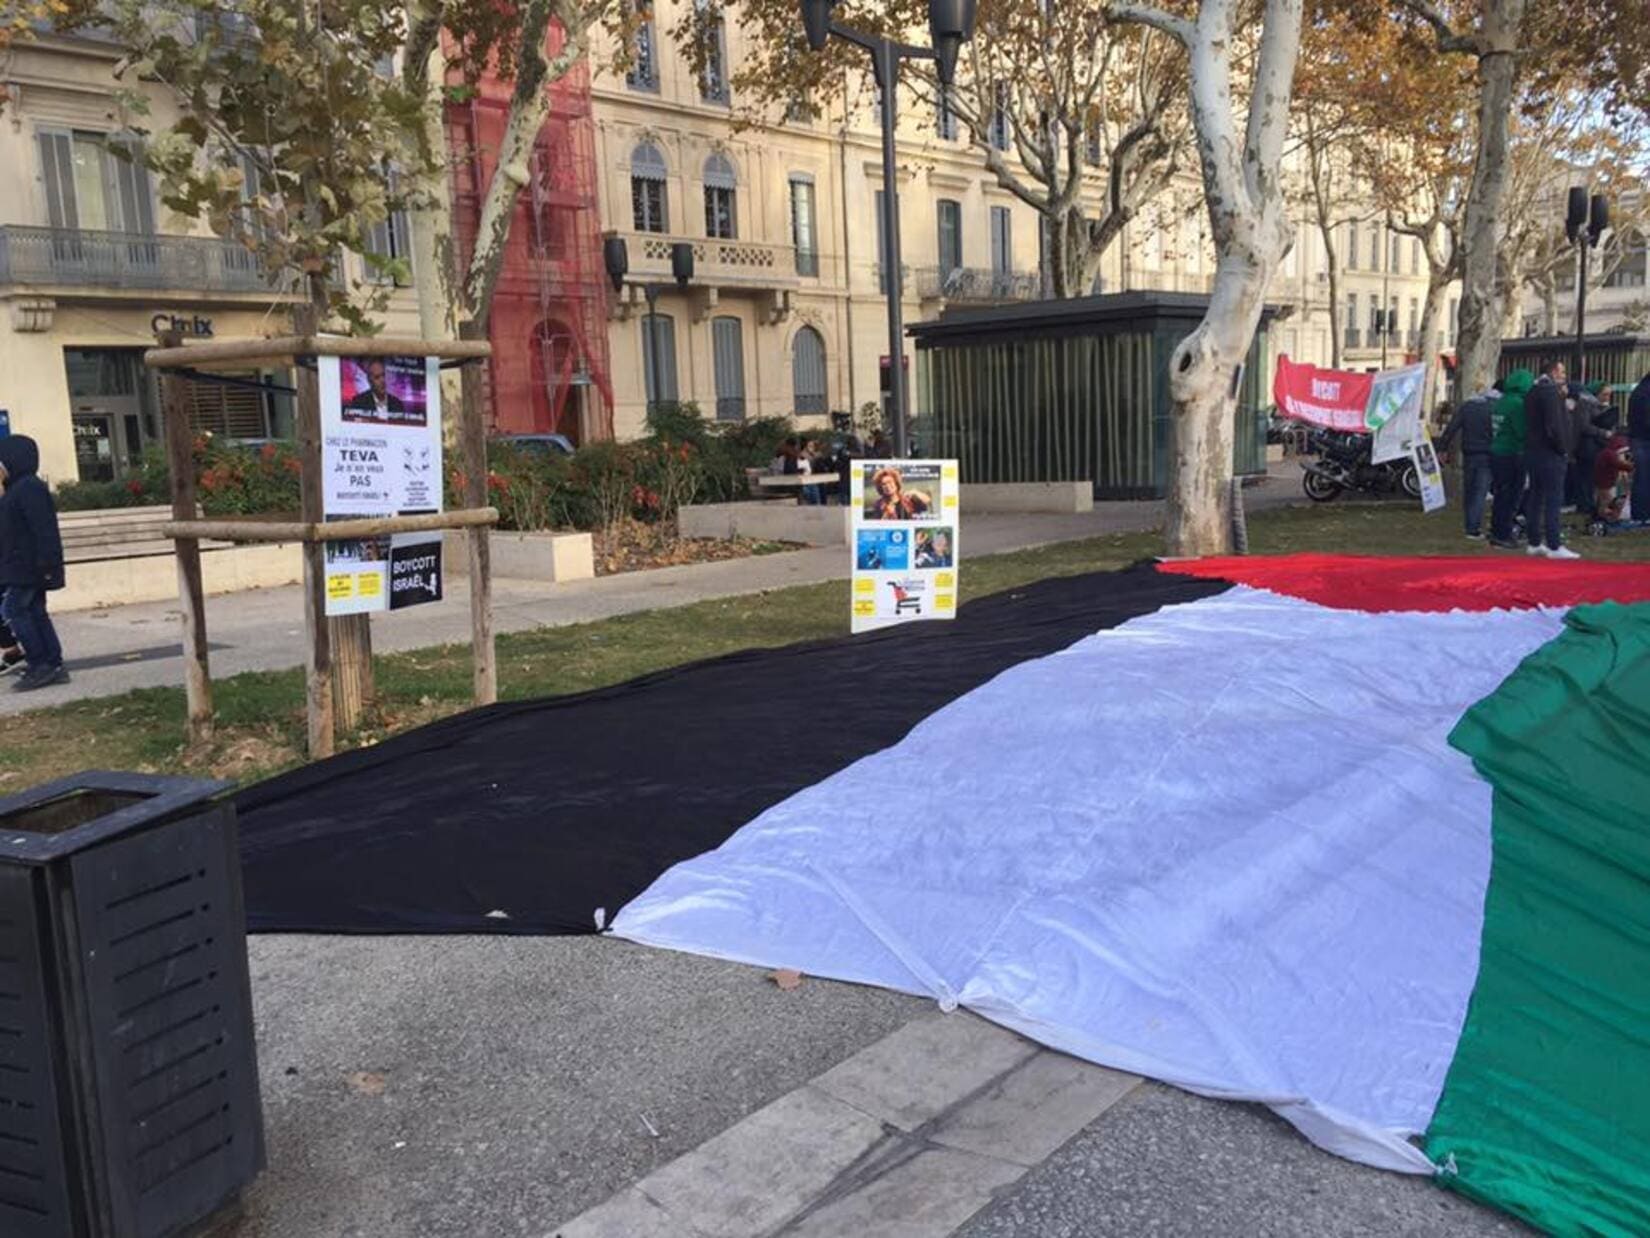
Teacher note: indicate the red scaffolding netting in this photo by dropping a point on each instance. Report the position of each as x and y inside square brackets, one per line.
[549, 372]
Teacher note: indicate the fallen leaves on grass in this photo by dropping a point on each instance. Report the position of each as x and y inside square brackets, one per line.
[632, 546]
[237, 754]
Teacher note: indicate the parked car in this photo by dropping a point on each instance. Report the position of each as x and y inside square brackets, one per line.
[548, 444]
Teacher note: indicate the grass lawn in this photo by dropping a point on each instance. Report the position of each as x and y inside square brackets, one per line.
[261, 719]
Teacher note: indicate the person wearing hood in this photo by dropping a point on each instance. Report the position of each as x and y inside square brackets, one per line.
[31, 561]
[1474, 423]
[1549, 442]
[1507, 457]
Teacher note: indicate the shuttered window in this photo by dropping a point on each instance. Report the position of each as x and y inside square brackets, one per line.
[95, 181]
[721, 216]
[1002, 240]
[728, 349]
[659, 329]
[391, 240]
[231, 412]
[808, 372]
[949, 216]
[802, 225]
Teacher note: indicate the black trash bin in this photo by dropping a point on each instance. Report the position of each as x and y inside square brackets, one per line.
[128, 1075]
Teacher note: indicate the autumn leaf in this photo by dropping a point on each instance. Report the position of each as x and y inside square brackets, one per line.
[786, 978]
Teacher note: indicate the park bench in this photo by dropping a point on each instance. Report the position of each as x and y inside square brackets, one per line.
[118, 533]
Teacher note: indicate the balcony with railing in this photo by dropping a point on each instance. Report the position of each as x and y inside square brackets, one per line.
[717, 263]
[978, 285]
[1354, 338]
[1170, 281]
[70, 258]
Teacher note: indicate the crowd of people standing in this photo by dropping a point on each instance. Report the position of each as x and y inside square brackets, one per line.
[1542, 446]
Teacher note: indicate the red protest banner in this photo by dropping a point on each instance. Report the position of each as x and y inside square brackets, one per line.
[1335, 399]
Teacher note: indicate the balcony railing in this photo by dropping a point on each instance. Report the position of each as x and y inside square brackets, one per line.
[1171, 281]
[879, 276]
[978, 285]
[756, 264]
[82, 259]
[1354, 337]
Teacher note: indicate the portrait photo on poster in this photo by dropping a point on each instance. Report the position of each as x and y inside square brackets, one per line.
[388, 391]
[899, 491]
[934, 547]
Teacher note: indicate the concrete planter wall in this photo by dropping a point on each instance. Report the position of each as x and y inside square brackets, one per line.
[771, 522]
[152, 577]
[1064, 497]
[528, 556]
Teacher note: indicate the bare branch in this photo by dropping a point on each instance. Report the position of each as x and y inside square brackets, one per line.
[1156, 19]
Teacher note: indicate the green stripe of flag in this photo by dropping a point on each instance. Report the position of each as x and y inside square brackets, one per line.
[1546, 1107]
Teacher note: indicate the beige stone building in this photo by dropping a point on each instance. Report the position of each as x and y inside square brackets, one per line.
[92, 265]
[785, 314]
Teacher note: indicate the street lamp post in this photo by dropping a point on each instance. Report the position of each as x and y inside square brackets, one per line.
[1584, 223]
[616, 258]
[950, 25]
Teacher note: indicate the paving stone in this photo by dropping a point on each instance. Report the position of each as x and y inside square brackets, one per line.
[1030, 1113]
[928, 1196]
[926, 1067]
[765, 1169]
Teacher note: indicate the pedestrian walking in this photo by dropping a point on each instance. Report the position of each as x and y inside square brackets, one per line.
[1548, 444]
[1638, 439]
[31, 561]
[1474, 424]
[1507, 470]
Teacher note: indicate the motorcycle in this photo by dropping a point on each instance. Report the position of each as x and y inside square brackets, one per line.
[1343, 464]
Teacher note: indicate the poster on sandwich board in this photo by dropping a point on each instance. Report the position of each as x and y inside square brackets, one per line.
[903, 537]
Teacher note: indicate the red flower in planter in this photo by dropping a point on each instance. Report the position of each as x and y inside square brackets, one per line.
[134, 487]
[500, 485]
[267, 451]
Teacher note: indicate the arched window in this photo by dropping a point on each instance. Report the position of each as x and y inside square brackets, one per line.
[649, 204]
[808, 372]
[721, 218]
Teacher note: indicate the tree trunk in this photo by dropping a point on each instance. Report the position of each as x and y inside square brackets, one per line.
[1334, 267]
[1243, 191]
[1432, 308]
[1203, 403]
[1481, 304]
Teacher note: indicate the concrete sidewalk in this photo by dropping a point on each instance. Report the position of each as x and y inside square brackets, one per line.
[119, 648]
[475, 1087]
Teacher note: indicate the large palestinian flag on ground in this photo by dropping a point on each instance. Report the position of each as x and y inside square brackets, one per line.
[1367, 841]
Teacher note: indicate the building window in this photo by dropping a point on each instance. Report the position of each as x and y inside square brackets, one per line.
[1002, 240]
[1630, 272]
[949, 216]
[1392, 252]
[713, 83]
[390, 242]
[659, 330]
[1352, 318]
[721, 219]
[1414, 319]
[1454, 315]
[799, 111]
[1351, 247]
[808, 372]
[802, 225]
[96, 182]
[644, 64]
[1374, 247]
[728, 355]
[649, 203]
[1414, 255]
[945, 116]
[999, 119]
[1091, 140]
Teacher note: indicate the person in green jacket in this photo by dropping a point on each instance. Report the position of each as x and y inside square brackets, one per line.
[1507, 472]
